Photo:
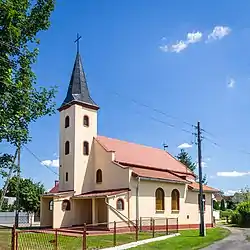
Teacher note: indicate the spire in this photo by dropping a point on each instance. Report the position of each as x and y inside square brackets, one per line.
[78, 89]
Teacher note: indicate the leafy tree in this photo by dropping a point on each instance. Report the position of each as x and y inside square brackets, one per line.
[222, 205]
[216, 205]
[28, 192]
[21, 101]
[186, 159]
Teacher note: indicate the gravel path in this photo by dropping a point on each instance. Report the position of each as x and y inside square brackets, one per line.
[238, 239]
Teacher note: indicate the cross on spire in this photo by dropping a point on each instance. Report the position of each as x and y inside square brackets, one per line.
[78, 37]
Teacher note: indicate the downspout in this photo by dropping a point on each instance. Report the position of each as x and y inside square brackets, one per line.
[128, 206]
[137, 199]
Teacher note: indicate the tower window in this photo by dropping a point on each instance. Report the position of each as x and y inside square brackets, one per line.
[99, 176]
[66, 121]
[51, 205]
[85, 148]
[86, 121]
[66, 176]
[66, 147]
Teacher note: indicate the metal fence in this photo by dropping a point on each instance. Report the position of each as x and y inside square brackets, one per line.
[24, 220]
[6, 237]
[94, 236]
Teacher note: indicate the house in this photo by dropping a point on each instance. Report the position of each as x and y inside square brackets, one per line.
[102, 180]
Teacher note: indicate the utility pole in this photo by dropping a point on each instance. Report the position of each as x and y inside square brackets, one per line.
[18, 186]
[201, 200]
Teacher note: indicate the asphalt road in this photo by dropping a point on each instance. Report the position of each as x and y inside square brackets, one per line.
[238, 239]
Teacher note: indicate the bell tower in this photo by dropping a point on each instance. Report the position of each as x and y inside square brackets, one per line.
[78, 127]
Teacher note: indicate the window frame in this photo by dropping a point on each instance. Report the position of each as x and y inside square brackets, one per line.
[122, 204]
[85, 148]
[86, 121]
[98, 176]
[66, 122]
[159, 199]
[68, 206]
[175, 200]
[67, 148]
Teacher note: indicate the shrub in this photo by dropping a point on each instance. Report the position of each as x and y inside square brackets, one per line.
[244, 210]
[225, 214]
[235, 218]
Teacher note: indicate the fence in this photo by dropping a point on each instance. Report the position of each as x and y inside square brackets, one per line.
[5, 237]
[94, 236]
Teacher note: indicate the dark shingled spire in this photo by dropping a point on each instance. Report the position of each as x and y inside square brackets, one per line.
[78, 89]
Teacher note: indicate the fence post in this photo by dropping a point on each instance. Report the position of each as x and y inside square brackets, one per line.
[153, 222]
[13, 238]
[16, 243]
[177, 226]
[114, 233]
[84, 240]
[56, 239]
[140, 223]
[166, 226]
[136, 230]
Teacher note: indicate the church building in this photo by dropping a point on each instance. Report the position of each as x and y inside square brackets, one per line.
[102, 180]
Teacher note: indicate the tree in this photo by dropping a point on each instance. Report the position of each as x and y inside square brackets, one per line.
[222, 205]
[186, 159]
[28, 191]
[216, 205]
[21, 101]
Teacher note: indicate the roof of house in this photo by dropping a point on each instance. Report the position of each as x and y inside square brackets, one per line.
[102, 193]
[157, 174]
[78, 88]
[139, 155]
[195, 186]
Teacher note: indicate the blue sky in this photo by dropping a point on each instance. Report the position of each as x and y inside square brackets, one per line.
[188, 59]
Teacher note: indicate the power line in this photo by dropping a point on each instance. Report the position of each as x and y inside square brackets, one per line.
[40, 161]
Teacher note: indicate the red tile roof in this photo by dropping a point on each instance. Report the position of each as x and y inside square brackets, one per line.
[157, 174]
[102, 193]
[195, 186]
[55, 189]
[140, 155]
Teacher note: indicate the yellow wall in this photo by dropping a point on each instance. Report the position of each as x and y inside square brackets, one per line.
[46, 215]
[113, 176]
[188, 202]
[82, 211]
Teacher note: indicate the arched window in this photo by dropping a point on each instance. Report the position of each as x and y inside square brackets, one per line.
[86, 121]
[120, 204]
[66, 147]
[65, 205]
[85, 148]
[175, 200]
[99, 176]
[66, 121]
[159, 199]
[51, 205]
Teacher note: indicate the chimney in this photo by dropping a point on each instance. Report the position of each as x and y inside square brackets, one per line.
[56, 182]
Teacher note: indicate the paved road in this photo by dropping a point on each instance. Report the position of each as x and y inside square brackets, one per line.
[237, 240]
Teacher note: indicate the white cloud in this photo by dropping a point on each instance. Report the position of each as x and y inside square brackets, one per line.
[164, 48]
[51, 163]
[232, 174]
[231, 83]
[194, 37]
[185, 145]
[231, 192]
[178, 47]
[219, 32]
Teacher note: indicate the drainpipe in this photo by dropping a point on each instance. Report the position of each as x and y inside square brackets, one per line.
[137, 199]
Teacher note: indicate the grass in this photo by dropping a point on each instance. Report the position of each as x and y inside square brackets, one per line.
[188, 240]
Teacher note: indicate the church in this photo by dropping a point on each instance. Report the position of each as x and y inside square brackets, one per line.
[102, 180]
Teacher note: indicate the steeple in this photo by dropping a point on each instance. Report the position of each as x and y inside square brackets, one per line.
[78, 89]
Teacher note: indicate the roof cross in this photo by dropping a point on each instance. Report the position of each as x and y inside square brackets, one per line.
[78, 37]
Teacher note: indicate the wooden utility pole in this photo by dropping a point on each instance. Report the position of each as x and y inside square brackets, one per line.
[201, 200]
[18, 186]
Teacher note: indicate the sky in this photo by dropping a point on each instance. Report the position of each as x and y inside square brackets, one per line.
[155, 68]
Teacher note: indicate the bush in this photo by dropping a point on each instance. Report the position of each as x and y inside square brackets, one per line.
[225, 214]
[244, 210]
[235, 218]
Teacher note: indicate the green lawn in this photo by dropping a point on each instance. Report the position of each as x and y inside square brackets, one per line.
[188, 240]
